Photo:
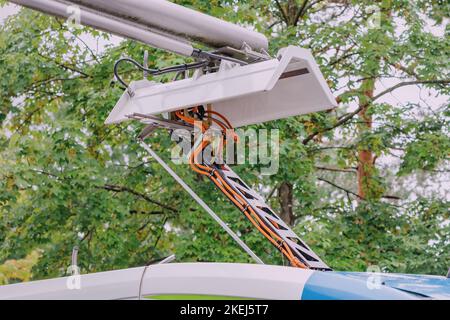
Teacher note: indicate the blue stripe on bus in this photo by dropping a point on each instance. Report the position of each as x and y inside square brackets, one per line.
[330, 285]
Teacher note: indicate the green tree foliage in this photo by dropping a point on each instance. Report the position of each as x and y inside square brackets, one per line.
[18, 270]
[67, 179]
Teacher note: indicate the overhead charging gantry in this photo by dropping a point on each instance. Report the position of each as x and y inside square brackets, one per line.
[236, 83]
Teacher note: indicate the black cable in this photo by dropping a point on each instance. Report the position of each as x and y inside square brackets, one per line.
[178, 68]
[156, 72]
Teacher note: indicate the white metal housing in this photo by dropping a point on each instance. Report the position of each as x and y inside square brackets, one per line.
[287, 86]
[174, 19]
[159, 23]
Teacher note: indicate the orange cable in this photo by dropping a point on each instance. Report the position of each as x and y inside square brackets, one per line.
[228, 190]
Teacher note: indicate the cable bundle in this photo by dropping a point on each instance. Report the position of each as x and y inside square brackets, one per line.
[213, 173]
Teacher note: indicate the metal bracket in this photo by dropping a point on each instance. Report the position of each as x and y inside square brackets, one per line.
[74, 256]
[245, 54]
[145, 64]
[168, 259]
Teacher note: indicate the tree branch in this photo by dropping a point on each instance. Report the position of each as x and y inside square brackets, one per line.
[391, 197]
[349, 116]
[49, 80]
[116, 188]
[274, 24]
[339, 187]
[283, 13]
[353, 193]
[271, 192]
[147, 212]
[300, 12]
[335, 169]
[64, 27]
[66, 67]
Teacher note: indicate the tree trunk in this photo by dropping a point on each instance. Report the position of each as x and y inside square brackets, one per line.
[366, 161]
[285, 198]
[365, 157]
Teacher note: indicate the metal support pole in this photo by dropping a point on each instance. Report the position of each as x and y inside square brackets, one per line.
[169, 259]
[202, 203]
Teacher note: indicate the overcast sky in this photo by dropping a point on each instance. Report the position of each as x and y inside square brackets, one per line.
[7, 10]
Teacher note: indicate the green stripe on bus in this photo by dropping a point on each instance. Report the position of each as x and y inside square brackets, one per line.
[193, 297]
